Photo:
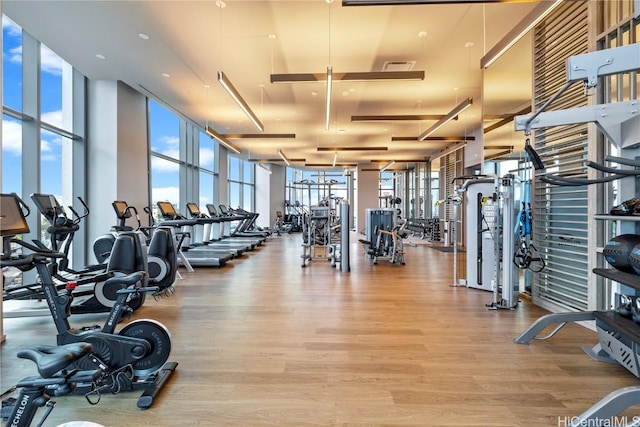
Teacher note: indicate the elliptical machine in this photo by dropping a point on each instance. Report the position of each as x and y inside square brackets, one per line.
[95, 296]
[160, 242]
[135, 357]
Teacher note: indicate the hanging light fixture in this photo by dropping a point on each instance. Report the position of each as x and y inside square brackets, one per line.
[542, 10]
[233, 92]
[446, 119]
[329, 84]
[335, 158]
[286, 160]
[387, 166]
[264, 168]
[222, 140]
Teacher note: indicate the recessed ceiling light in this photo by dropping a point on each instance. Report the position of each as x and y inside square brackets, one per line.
[342, 131]
[272, 36]
[345, 93]
[143, 36]
[166, 75]
[207, 86]
[314, 93]
[100, 56]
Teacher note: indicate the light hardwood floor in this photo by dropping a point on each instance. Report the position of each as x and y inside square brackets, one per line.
[264, 342]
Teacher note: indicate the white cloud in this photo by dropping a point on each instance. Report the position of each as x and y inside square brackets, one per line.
[206, 156]
[50, 61]
[171, 146]
[15, 55]
[170, 140]
[162, 165]
[11, 27]
[169, 194]
[204, 200]
[11, 138]
[53, 118]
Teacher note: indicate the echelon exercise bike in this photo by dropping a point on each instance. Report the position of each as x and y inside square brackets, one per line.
[135, 357]
[34, 391]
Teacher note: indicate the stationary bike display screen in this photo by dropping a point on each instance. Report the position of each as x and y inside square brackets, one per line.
[167, 209]
[48, 205]
[121, 209]
[12, 220]
[193, 209]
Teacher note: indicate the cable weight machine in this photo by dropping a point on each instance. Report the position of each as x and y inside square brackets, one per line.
[619, 338]
[490, 217]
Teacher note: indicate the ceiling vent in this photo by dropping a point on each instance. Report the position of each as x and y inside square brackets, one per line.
[398, 65]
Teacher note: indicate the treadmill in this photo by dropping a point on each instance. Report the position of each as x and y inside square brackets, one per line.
[224, 227]
[202, 239]
[190, 258]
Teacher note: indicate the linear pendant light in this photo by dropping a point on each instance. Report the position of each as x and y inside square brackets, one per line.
[335, 158]
[286, 160]
[387, 166]
[329, 84]
[223, 141]
[543, 9]
[366, 76]
[446, 119]
[232, 91]
[360, 148]
[264, 168]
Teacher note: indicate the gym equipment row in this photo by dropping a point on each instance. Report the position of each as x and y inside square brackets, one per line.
[427, 229]
[209, 240]
[384, 235]
[154, 255]
[157, 246]
[132, 358]
[617, 329]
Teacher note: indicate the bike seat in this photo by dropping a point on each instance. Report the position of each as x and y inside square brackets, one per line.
[52, 359]
[127, 280]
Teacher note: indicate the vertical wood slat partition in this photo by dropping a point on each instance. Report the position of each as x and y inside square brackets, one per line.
[560, 213]
[263, 342]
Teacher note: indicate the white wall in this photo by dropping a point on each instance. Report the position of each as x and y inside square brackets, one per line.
[269, 194]
[367, 194]
[117, 153]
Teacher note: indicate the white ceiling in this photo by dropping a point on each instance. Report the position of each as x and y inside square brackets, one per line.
[193, 40]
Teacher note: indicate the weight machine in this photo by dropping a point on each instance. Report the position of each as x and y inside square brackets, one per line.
[384, 234]
[619, 338]
[321, 225]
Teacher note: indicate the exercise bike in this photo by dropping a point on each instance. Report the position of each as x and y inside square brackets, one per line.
[52, 364]
[135, 357]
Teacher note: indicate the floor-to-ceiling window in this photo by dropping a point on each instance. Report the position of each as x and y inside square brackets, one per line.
[386, 190]
[41, 143]
[164, 136]
[38, 129]
[207, 172]
[12, 102]
[241, 181]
